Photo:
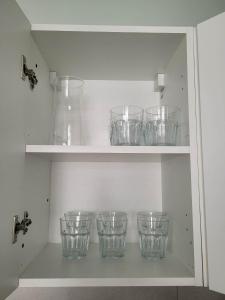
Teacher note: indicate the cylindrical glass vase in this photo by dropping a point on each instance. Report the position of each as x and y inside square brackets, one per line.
[161, 125]
[126, 125]
[153, 233]
[67, 117]
[112, 229]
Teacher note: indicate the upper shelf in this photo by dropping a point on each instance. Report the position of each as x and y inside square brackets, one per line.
[44, 149]
[63, 153]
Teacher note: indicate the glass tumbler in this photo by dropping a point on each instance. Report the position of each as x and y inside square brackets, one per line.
[126, 125]
[153, 233]
[67, 119]
[112, 229]
[75, 234]
[161, 125]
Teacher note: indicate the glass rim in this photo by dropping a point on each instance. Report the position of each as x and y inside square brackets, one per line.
[79, 212]
[68, 77]
[111, 214]
[123, 106]
[153, 214]
[174, 107]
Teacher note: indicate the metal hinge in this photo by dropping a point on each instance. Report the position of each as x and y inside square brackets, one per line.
[20, 226]
[28, 73]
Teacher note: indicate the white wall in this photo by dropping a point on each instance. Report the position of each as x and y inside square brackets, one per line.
[121, 12]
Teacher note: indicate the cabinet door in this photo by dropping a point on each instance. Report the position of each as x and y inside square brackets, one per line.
[24, 182]
[211, 59]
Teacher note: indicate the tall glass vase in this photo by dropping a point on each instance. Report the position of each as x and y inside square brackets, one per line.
[67, 115]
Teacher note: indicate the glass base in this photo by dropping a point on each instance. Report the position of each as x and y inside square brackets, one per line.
[112, 245]
[126, 144]
[153, 246]
[112, 254]
[163, 144]
[74, 246]
[73, 256]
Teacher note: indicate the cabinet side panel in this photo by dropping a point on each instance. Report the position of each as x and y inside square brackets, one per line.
[176, 195]
[23, 184]
[211, 53]
[180, 183]
[176, 178]
[176, 92]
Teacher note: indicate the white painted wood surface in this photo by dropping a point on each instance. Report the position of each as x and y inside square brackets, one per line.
[199, 168]
[24, 182]
[51, 269]
[176, 89]
[107, 55]
[195, 159]
[177, 202]
[102, 95]
[58, 149]
[211, 53]
[108, 28]
[127, 184]
[180, 182]
[95, 183]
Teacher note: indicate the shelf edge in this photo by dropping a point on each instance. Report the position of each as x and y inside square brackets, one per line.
[100, 282]
[55, 149]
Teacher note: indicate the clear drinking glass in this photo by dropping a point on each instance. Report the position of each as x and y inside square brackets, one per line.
[161, 125]
[126, 125]
[153, 233]
[75, 234]
[112, 229]
[67, 119]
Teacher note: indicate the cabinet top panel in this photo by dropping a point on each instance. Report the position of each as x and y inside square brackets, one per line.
[115, 54]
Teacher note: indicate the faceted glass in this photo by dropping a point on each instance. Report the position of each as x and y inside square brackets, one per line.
[161, 125]
[126, 125]
[75, 235]
[112, 229]
[153, 233]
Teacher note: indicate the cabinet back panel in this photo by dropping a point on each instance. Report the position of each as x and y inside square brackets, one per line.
[101, 95]
[128, 186]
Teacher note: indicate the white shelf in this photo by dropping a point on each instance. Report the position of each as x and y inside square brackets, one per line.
[55, 149]
[50, 269]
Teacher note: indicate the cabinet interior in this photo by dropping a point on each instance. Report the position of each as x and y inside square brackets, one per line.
[119, 68]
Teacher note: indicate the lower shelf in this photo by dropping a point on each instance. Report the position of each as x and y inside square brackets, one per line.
[50, 269]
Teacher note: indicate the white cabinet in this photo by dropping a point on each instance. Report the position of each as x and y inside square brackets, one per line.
[118, 65]
[211, 50]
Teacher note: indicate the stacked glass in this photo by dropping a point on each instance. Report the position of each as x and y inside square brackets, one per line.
[75, 233]
[153, 233]
[161, 125]
[112, 229]
[126, 125]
